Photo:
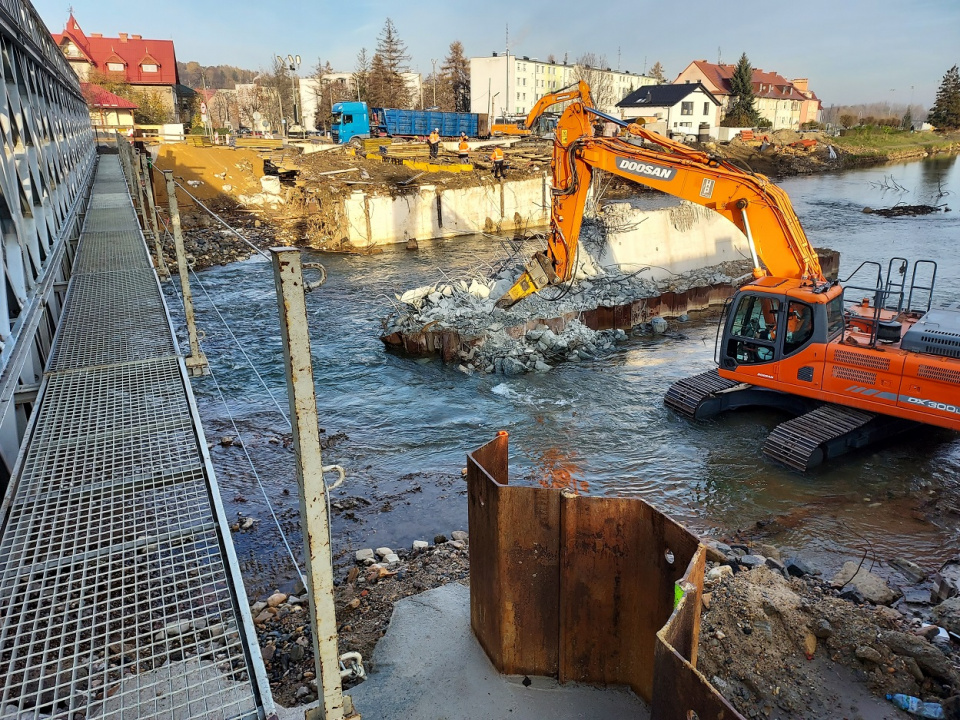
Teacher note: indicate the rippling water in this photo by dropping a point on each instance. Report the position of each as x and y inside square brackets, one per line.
[600, 426]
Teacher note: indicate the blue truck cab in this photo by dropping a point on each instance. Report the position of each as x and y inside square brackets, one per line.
[350, 120]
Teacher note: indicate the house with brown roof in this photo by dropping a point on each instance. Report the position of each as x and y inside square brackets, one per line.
[785, 103]
[148, 66]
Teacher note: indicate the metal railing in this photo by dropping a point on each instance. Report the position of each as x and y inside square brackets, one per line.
[46, 166]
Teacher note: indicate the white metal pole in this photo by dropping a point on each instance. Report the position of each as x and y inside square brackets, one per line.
[197, 362]
[288, 275]
[163, 272]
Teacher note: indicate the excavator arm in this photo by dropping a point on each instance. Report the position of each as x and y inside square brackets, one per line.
[760, 209]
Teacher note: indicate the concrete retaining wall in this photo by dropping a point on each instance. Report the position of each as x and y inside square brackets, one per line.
[434, 212]
[671, 241]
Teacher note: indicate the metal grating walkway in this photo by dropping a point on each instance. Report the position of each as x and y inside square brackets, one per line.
[119, 590]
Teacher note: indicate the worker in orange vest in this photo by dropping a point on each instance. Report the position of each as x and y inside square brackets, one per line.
[434, 141]
[464, 149]
[497, 157]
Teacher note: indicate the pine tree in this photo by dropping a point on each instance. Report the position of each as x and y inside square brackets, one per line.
[378, 83]
[455, 79]
[945, 113]
[386, 74]
[361, 74]
[742, 110]
[657, 73]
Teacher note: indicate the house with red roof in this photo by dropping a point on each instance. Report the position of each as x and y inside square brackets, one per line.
[785, 103]
[148, 66]
[107, 110]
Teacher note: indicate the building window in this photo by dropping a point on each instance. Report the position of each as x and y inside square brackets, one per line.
[149, 67]
[686, 108]
[115, 67]
[706, 108]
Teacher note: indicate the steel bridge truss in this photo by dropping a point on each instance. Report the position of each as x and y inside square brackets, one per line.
[46, 166]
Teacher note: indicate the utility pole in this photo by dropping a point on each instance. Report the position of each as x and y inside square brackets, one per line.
[292, 62]
[434, 63]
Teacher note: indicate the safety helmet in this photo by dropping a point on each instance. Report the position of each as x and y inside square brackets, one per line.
[436, 129]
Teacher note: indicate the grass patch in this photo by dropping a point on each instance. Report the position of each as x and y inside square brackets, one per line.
[873, 141]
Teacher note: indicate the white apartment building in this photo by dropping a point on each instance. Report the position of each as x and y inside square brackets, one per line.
[511, 85]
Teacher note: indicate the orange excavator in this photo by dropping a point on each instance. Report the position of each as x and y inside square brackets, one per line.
[853, 364]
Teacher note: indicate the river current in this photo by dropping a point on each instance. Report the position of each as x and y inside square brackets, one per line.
[599, 427]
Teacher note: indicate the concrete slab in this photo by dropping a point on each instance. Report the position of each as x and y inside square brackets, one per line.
[429, 666]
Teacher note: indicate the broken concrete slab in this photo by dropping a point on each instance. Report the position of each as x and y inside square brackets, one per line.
[872, 587]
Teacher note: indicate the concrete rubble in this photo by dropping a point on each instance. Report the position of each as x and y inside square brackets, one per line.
[523, 339]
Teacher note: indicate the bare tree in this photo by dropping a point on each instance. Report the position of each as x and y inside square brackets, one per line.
[589, 68]
[658, 73]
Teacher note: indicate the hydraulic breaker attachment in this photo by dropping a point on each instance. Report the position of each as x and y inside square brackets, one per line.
[538, 274]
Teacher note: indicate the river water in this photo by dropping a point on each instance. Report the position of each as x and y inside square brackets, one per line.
[599, 427]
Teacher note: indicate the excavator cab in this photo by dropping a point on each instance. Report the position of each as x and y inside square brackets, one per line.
[773, 319]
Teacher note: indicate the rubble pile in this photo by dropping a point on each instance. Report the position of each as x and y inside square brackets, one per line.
[772, 630]
[519, 339]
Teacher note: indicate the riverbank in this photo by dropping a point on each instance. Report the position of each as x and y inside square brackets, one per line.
[787, 153]
[777, 638]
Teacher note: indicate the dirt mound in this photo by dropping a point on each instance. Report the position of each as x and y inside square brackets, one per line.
[794, 649]
[210, 172]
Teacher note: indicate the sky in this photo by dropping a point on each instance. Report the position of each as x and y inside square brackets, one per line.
[852, 51]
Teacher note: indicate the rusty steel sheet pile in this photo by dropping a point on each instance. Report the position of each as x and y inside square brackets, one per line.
[605, 591]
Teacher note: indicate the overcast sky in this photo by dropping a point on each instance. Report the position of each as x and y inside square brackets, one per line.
[852, 51]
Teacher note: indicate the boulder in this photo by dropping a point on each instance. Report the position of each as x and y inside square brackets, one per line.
[932, 661]
[910, 570]
[797, 567]
[947, 614]
[868, 654]
[872, 587]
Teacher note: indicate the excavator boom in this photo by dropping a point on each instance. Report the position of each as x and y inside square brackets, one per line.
[750, 201]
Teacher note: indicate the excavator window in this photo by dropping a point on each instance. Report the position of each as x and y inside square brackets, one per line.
[799, 327]
[754, 329]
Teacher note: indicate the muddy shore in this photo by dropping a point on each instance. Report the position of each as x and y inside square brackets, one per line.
[777, 639]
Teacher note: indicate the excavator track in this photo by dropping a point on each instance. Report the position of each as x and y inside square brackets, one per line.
[684, 396]
[806, 441]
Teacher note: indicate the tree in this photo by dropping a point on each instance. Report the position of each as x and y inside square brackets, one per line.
[455, 79]
[657, 72]
[277, 95]
[945, 113]
[906, 122]
[848, 120]
[589, 68]
[742, 110]
[361, 74]
[387, 68]
[327, 91]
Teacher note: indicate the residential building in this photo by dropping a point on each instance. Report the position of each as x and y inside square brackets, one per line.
[146, 65]
[785, 103]
[678, 109]
[508, 85]
[108, 111]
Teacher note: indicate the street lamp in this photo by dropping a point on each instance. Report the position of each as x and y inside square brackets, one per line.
[292, 62]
